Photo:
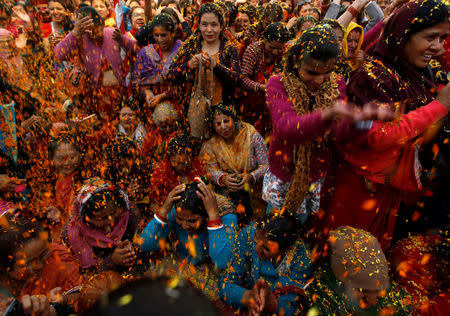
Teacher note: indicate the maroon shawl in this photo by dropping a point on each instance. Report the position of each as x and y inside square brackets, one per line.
[386, 76]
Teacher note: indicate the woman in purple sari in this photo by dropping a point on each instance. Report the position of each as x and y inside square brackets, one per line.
[154, 60]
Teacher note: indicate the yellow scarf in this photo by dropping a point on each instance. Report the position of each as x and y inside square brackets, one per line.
[300, 96]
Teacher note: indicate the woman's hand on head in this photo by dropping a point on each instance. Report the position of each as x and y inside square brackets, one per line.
[81, 25]
[124, 254]
[37, 305]
[209, 201]
[173, 196]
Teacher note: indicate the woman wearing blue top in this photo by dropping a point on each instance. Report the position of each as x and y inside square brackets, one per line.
[269, 268]
[191, 212]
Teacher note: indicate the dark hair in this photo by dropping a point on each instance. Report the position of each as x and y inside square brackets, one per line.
[99, 199]
[157, 296]
[429, 13]
[272, 12]
[15, 232]
[123, 147]
[210, 8]
[64, 138]
[189, 200]
[332, 23]
[299, 23]
[68, 25]
[318, 42]
[283, 229]
[179, 144]
[90, 11]
[171, 13]
[277, 32]
[165, 3]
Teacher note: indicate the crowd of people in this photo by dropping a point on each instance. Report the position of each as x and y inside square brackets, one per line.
[257, 157]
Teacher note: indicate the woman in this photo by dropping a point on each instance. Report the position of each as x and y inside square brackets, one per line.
[153, 61]
[102, 225]
[244, 18]
[268, 269]
[202, 234]
[300, 24]
[260, 61]
[355, 279]
[99, 53]
[34, 270]
[351, 45]
[236, 156]
[56, 195]
[60, 12]
[303, 102]
[182, 28]
[102, 7]
[370, 186]
[272, 13]
[180, 166]
[137, 18]
[208, 44]
[130, 125]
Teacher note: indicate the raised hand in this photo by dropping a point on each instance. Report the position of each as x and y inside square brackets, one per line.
[173, 196]
[82, 25]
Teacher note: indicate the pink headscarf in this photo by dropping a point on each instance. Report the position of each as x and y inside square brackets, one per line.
[83, 238]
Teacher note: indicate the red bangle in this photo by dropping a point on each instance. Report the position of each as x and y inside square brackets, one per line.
[353, 11]
[214, 223]
[161, 218]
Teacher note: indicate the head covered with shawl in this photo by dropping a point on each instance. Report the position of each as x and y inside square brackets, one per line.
[83, 233]
[357, 259]
[392, 77]
[229, 147]
[319, 44]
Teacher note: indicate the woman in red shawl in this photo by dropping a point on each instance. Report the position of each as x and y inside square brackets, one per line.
[370, 186]
[34, 270]
[179, 166]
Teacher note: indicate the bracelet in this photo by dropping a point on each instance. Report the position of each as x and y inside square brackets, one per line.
[353, 11]
[214, 223]
[160, 218]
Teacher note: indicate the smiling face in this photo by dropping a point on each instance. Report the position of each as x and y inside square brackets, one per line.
[57, 12]
[224, 126]
[163, 38]
[138, 18]
[30, 259]
[189, 221]
[242, 22]
[264, 247]
[210, 27]
[101, 8]
[128, 119]
[426, 44]
[66, 159]
[43, 11]
[106, 218]
[314, 72]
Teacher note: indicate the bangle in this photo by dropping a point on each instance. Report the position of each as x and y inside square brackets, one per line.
[160, 218]
[353, 11]
[214, 223]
